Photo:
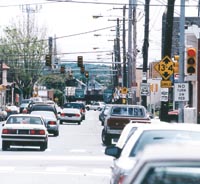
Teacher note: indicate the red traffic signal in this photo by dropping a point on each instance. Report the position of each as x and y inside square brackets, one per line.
[191, 63]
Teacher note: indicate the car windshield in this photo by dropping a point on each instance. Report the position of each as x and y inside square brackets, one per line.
[172, 175]
[163, 136]
[24, 120]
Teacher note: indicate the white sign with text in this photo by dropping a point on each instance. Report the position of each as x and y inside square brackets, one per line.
[181, 92]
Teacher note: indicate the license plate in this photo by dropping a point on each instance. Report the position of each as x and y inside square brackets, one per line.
[23, 132]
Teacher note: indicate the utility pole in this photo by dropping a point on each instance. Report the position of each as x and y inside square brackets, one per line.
[131, 46]
[118, 51]
[124, 49]
[145, 49]
[167, 51]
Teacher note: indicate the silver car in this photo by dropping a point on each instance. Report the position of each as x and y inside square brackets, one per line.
[51, 121]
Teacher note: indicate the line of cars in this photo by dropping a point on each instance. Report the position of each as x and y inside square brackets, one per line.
[36, 121]
[133, 165]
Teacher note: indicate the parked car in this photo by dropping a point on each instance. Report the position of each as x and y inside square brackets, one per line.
[50, 120]
[24, 130]
[96, 106]
[150, 134]
[167, 164]
[76, 105]
[72, 115]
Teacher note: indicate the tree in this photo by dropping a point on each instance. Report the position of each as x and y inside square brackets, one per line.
[23, 48]
[53, 81]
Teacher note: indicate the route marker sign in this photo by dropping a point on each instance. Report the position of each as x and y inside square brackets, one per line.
[165, 67]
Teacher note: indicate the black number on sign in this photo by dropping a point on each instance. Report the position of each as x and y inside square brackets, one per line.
[170, 68]
[161, 67]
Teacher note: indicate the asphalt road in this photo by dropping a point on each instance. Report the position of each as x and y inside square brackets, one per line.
[76, 156]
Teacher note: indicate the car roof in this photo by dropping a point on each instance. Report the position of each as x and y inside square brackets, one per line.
[160, 126]
[165, 151]
[24, 115]
[173, 154]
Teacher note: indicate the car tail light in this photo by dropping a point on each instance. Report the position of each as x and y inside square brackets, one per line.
[37, 132]
[77, 115]
[52, 123]
[62, 114]
[121, 179]
[9, 131]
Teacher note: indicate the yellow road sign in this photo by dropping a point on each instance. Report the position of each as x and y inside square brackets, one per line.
[165, 67]
[166, 84]
[124, 90]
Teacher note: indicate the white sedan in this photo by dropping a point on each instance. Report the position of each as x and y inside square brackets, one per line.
[71, 115]
[24, 130]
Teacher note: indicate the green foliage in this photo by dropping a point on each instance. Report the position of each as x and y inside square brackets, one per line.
[22, 48]
[53, 81]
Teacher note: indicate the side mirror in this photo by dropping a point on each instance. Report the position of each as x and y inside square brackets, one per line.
[113, 151]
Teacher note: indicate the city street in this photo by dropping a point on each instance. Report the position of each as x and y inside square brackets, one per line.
[75, 156]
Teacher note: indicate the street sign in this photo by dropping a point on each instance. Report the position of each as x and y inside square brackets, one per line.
[166, 84]
[164, 94]
[181, 92]
[144, 89]
[165, 67]
[124, 90]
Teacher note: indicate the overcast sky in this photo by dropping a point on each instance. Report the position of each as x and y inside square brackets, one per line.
[69, 20]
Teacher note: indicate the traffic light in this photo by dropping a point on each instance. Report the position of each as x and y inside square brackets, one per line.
[176, 64]
[82, 70]
[86, 74]
[48, 60]
[191, 62]
[62, 69]
[80, 61]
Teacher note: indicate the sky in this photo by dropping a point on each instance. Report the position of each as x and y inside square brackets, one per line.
[70, 21]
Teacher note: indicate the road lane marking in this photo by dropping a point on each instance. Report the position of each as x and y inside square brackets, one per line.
[55, 157]
[56, 171]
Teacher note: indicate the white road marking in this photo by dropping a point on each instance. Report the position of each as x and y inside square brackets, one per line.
[56, 158]
[78, 151]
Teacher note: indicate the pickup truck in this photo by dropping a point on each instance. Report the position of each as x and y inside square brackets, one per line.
[118, 116]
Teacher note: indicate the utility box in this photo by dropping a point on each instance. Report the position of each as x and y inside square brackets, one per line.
[190, 114]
